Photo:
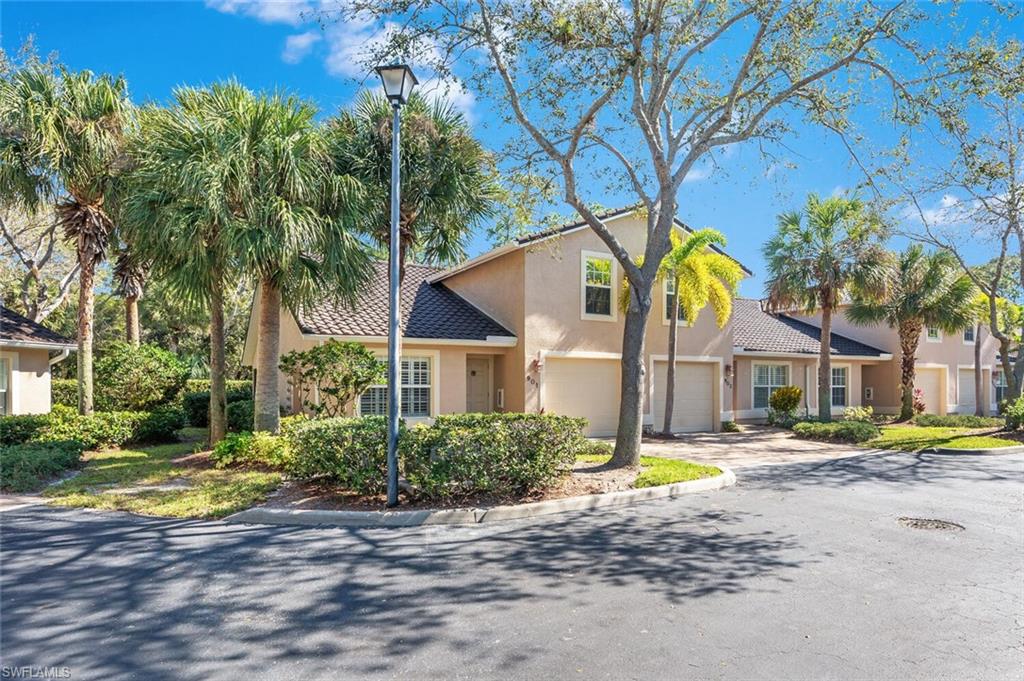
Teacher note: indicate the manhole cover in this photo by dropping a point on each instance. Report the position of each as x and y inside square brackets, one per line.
[930, 524]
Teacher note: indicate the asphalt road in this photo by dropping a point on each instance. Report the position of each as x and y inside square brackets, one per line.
[798, 572]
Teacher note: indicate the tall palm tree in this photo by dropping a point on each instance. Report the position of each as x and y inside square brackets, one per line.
[241, 184]
[448, 180]
[72, 125]
[924, 289]
[814, 258]
[130, 278]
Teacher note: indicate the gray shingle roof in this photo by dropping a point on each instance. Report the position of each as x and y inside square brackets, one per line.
[428, 311]
[14, 327]
[755, 330]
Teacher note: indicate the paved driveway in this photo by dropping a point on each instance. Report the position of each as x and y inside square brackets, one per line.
[755, 446]
[800, 571]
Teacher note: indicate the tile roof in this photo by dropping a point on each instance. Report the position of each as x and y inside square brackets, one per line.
[428, 311]
[14, 327]
[758, 331]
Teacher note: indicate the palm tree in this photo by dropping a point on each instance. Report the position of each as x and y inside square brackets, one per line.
[130, 278]
[924, 289]
[448, 180]
[71, 125]
[814, 258]
[696, 277]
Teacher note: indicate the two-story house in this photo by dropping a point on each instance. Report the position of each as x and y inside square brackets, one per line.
[535, 326]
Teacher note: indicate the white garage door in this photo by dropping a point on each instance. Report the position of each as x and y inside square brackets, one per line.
[929, 381]
[965, 391]
[693, 403]
[584, 387]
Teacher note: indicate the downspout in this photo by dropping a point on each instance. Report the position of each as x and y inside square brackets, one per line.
[61, 357]
[807, 391]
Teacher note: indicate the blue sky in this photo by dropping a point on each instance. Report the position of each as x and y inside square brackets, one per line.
[158, 45]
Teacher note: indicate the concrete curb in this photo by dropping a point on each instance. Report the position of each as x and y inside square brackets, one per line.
[472, 516]
[1016, 449]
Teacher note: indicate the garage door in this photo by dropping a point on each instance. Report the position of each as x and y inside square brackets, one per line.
[929, 381]
[584, 387]
[965, 391]
[693, 403]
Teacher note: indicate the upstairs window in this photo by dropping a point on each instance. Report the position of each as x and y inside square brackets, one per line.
[767, 379]
[934, 335]
[670, 292]
[598, 277]
[969, 334]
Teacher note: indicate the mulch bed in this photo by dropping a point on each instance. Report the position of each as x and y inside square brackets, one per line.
[586, 478]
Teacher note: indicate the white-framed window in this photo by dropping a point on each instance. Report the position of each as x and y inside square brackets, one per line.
[1000, 383]
[5, 386]
[839, 376]
[597, 283]
[415, 382]
[670, 291]
[933, 334]
[767, 379]
[969, 335]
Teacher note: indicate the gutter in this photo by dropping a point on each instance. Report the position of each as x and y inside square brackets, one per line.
[37, 345]
[61, 357]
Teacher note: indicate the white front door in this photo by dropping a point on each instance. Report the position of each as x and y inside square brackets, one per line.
[478, 385]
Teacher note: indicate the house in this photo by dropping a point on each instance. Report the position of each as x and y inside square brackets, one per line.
[534, 326]
[27, 353]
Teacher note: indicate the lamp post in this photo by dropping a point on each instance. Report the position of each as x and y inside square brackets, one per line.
[398, 81]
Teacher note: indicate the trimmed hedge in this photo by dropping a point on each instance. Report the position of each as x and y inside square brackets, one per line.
[196, 403]
[27, 467]
[251, 449]
[959, 421]
[842, 431]
[351, 452]
[64, 391]
[508, 454]
[137, 378]
[101, 429]
[241, 415]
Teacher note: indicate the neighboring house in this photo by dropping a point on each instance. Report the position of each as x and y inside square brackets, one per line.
[535, 326]
[27, 352]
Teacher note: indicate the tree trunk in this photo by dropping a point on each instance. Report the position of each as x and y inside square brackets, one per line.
[825, 366]
[218, 391]
[670, 374]
[86, 301]
[268, 351]
[631, 404]
[910, 337]
[131, 320]
[979, 404]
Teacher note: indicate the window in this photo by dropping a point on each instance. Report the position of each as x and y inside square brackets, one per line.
[598, 277]
[934, 335]
[5, 387]
[1000, 381]
[414, 379]
[767, 379]
[670, 290]
[969, 334]
[838, 386]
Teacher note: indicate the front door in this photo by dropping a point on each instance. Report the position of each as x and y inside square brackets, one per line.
[478, 385]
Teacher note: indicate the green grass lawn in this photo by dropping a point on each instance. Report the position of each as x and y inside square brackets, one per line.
[915, 438]
[659, 471]
[115, 479]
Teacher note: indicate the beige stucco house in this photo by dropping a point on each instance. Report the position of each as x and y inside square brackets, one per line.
[27, 353]
[535, 326]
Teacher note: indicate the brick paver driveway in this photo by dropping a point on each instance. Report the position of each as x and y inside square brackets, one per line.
[755, 446]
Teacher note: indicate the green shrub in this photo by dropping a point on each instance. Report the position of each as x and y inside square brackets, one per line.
[782, 405]
[330, 376]
[251, 449]
[958, 421]
[64, 391]
[864, 414]
[596, 448]
[27, 467]
[20, 428]
[730, 427]
[198, 385]
[110, 428]
[159, 426]
[1014, 413]
[507, 454]
[139, 378]
[196, 403]
[241, 415]
[351, 452]
[843, 431]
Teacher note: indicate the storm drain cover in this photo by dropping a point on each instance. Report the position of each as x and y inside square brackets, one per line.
[930, 524]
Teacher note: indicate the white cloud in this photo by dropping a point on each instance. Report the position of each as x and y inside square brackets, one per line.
[838, 191]
[947, 211]
[697, 175]
[456, 93]
[297, 46]
[268, 11]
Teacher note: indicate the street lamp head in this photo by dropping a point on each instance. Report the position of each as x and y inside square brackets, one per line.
[398, 80]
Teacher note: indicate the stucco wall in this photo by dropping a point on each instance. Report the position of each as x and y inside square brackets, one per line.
[30, 379]
[803, 374]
